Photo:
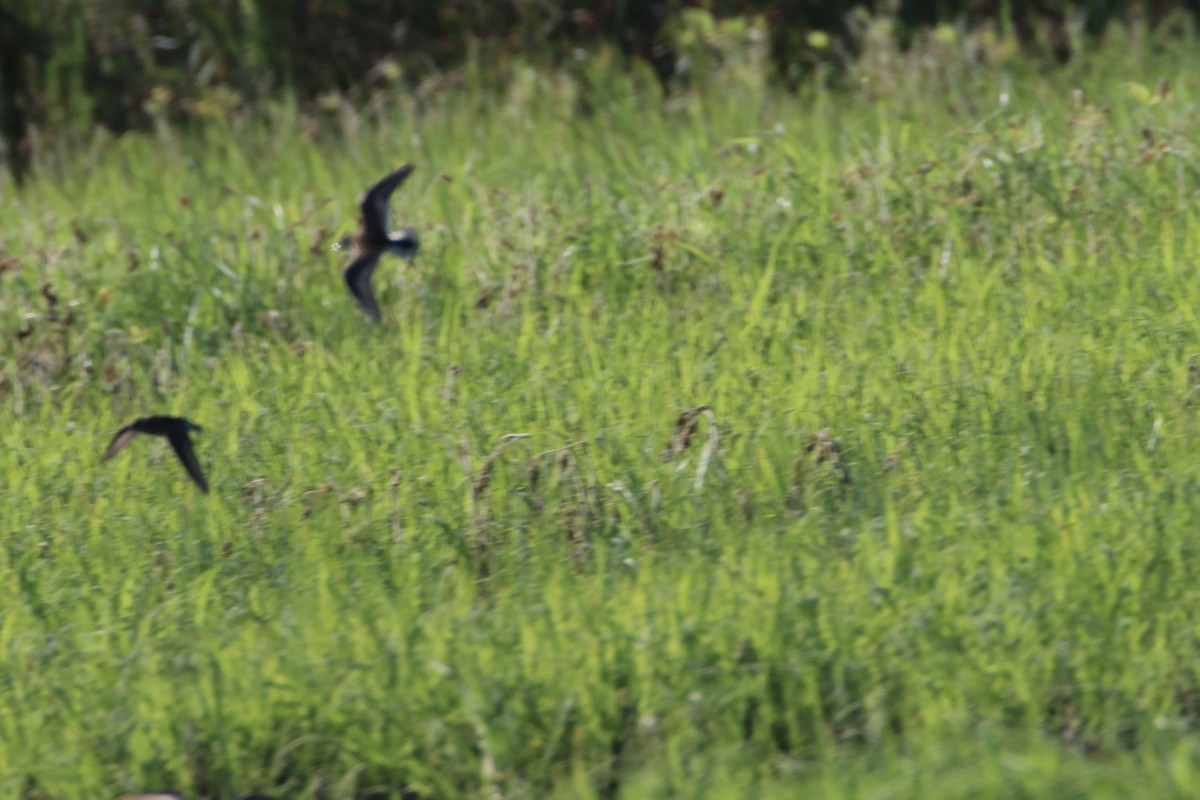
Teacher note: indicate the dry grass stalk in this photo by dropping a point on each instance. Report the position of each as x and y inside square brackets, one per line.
[686, 425]
[484, 478]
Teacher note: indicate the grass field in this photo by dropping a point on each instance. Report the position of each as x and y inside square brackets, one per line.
[861, 455]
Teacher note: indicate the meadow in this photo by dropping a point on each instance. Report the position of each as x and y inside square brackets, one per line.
[731, 444]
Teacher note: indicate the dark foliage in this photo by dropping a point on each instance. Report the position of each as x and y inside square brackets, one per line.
[65, 62]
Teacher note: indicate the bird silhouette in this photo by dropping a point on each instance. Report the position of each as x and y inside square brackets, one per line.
[373, 240]
[175, 429]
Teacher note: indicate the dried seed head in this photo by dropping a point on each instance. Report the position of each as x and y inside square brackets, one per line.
[533, 472]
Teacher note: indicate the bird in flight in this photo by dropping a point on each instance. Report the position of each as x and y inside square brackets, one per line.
[175, 429]
[373, 240]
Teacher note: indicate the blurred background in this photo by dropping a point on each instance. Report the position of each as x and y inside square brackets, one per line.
[72, 68]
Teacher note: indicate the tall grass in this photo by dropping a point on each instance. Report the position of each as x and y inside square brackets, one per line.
[859, 461]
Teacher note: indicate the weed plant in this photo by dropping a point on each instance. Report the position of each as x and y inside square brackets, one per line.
[732, 444]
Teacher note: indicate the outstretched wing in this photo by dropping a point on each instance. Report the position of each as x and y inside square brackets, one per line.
[358, 278]
[181, 443]
[122, 438]
[375, 204]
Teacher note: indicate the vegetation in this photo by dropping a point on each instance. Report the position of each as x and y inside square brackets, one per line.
[735, 443]
[67, 66]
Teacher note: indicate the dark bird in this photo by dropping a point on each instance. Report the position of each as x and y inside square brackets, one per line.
[175, 429]
[373, 240]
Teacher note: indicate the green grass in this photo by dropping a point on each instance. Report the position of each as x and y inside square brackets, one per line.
[980, 582]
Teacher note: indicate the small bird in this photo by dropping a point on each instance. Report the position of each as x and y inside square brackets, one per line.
[373, 239]
[175, 429]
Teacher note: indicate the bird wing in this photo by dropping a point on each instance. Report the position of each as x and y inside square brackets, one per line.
[375, 204]
[358, 278]
[181, 443]
[122, 438]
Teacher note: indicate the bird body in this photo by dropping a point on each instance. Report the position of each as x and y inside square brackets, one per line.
[373, 240]
[176, 430]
